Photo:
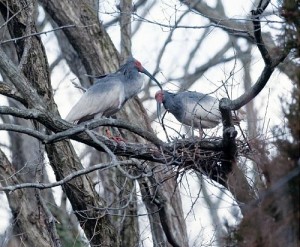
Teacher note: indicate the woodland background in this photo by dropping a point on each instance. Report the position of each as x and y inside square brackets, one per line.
[65, 185]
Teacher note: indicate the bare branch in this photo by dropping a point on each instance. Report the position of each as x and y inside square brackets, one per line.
[188, 79]
[105, 148]
[20, 82]
[111, 154]
[68, 132]
[22, 113]
[235, 31]
[172, 153]
[232, 177]
[233, 27]
[13, 16]
[258, 38]
[162, 51]
[120, 124]
[55, 62]
[38, 33]
[79, 87]
[66, 179]
[8, 91]
[115, 20]
[218, 16]
[270, 65]
[20, 129]
[28, 42]
[263, 5]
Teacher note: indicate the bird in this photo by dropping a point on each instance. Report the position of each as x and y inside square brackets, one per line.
[110, 92]
[190, 108]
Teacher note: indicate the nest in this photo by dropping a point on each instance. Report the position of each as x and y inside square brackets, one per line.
[205, 156]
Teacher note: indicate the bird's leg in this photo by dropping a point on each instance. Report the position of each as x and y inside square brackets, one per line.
[118, 138]
[108, 132]
[201, 133]
[192, 129]
[111, 136]
[163, 125]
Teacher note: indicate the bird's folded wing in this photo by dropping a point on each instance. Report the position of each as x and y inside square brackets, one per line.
[98, 99]
[205, 109]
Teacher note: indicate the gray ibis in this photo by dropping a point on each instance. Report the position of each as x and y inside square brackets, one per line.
[191, 108]
[110, 92]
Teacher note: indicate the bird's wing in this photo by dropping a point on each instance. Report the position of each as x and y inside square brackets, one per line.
[102, 98]
[201, 108]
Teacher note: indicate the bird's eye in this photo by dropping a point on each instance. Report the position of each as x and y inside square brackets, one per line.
[138, 65]
[159, 96]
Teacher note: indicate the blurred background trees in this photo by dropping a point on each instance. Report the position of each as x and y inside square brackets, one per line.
[145, 199]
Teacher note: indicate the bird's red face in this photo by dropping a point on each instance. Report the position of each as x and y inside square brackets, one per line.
[138, 65]
[159, 96]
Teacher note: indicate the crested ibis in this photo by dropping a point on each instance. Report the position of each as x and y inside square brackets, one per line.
[110, 92]
[191, 108]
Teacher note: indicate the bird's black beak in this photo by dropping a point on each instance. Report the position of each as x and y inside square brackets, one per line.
[152, 78]
[158, 111]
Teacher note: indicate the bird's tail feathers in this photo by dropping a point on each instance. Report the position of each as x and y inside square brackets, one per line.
[70, 117]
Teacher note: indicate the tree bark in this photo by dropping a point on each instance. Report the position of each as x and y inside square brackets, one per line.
[29, 219]
[89, 38]
[85, 200]
[101, 43]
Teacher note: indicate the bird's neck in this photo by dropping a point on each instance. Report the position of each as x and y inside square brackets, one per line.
[133, 83]
[169, 102]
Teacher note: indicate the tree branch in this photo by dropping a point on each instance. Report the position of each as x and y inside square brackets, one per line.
[218, 16]
[20, 82]
[270, 65]
[8, 91]
[231, 175]
[37, 33]
[66, 179]
[69, 132]
[20, 129]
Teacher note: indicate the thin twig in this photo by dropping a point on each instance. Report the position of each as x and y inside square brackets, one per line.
[37, 33]
[66, 179]
[111, 154]
[270, 65]
[10, 18]
[79, 86]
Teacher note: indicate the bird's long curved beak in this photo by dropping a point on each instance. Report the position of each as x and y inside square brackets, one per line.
[152, 78]
[158, 111]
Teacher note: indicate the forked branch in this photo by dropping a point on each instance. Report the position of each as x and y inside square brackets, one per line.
[270, 63]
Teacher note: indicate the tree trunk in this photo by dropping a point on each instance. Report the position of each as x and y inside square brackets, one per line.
[98, 41]
[34, 64]
[29, 218]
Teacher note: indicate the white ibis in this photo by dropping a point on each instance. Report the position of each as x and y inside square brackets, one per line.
[191, 108]
[110, 92]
